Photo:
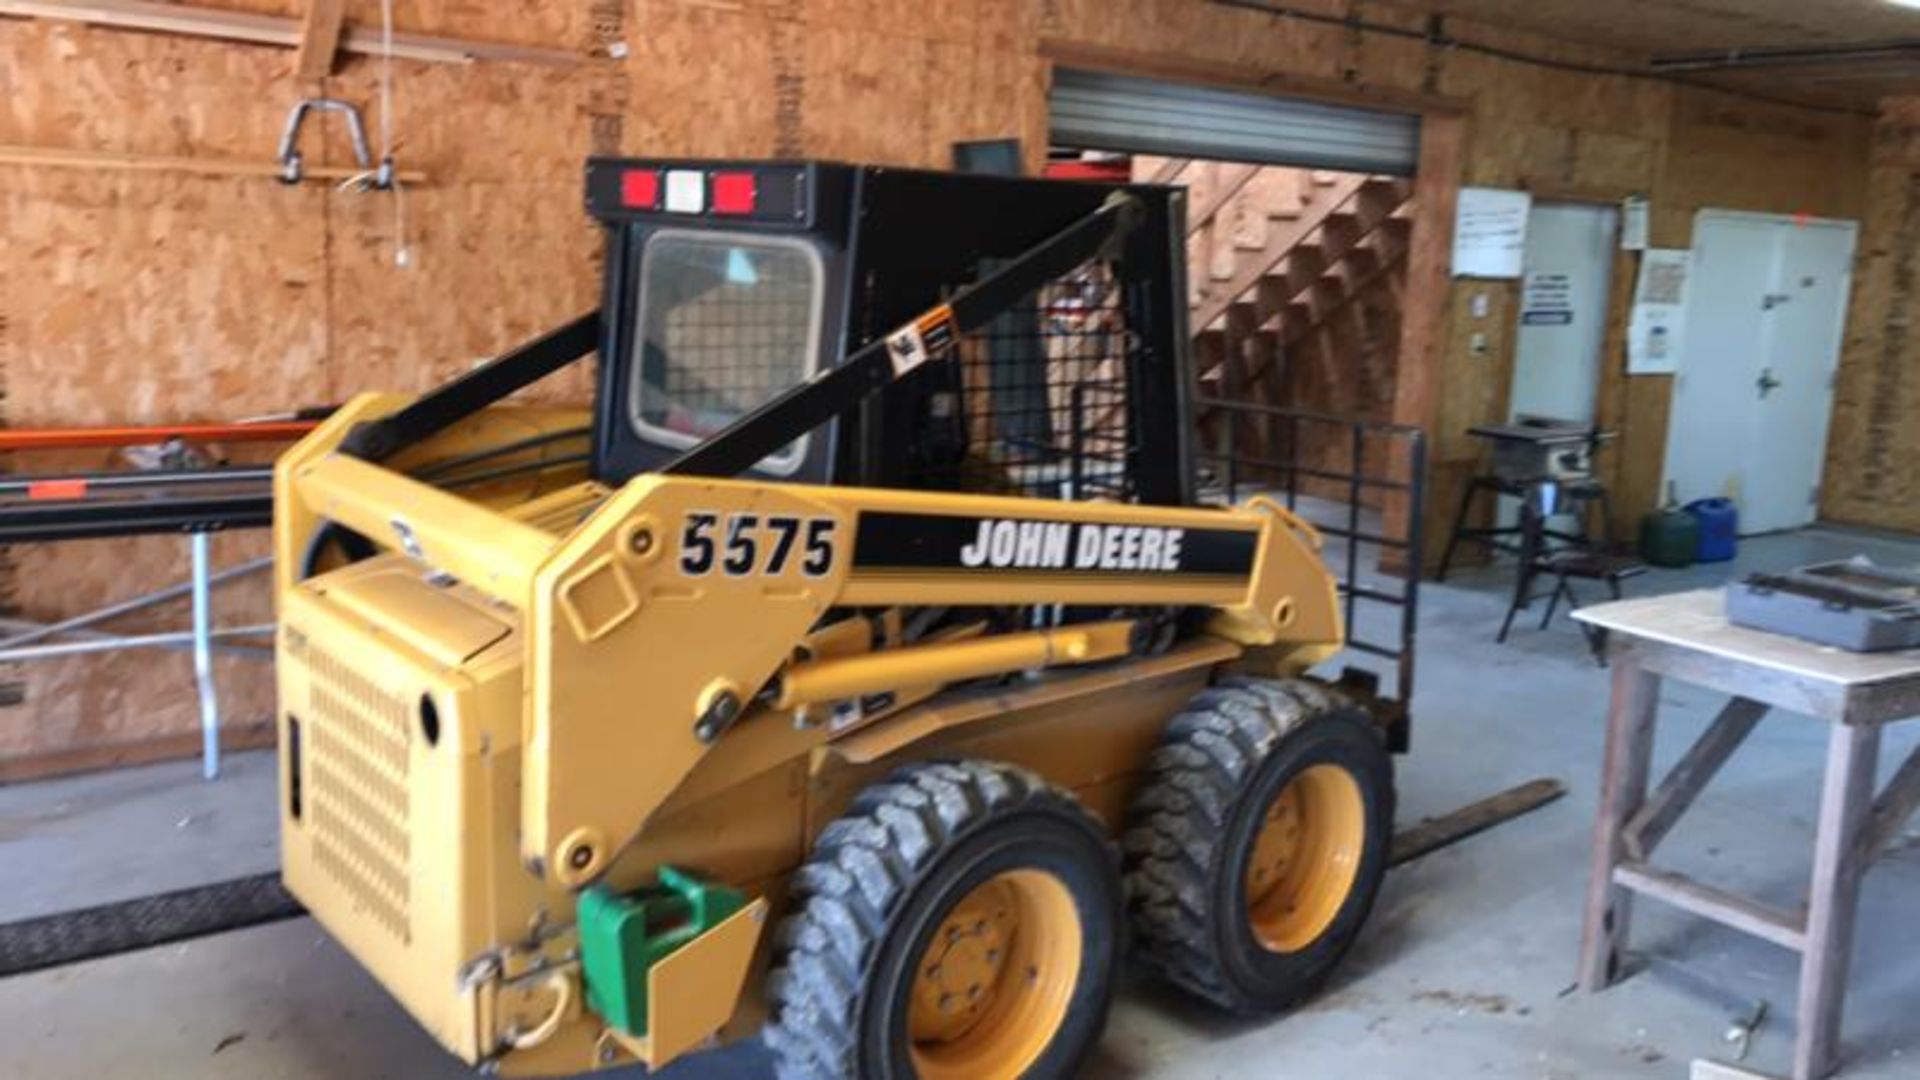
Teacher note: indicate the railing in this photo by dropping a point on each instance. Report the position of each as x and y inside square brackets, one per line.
[1375, 502]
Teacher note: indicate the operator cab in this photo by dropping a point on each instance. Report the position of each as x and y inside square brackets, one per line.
[730, 283]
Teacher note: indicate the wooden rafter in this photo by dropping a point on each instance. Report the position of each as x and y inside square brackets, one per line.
[275, 30]
[319, 38]
[59, 158]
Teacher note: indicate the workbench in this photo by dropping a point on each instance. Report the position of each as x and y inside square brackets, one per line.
[1686, 637]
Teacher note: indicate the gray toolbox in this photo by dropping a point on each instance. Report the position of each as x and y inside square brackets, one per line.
[1853, 604]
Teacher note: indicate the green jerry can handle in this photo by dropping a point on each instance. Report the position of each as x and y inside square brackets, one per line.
[623, 935]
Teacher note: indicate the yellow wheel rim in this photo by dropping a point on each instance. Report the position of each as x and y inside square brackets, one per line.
[993, 984]
[1305, 858]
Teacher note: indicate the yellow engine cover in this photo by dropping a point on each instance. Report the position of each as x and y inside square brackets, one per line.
[399, 725]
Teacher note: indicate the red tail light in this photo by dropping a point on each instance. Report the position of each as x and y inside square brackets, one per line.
[640, 189]
[734, 193]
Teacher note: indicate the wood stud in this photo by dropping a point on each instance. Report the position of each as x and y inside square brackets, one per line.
[319, 38]
[247, 27]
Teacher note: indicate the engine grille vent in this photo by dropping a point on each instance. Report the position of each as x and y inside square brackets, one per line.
[357, 779]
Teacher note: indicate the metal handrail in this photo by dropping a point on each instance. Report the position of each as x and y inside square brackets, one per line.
[1381, 426]
[1358, 431]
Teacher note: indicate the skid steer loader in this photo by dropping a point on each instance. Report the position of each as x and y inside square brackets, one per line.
[865, 671]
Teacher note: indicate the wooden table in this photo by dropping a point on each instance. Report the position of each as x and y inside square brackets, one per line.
[1686, 637]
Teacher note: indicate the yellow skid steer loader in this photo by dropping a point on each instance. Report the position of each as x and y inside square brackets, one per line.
[864, 671]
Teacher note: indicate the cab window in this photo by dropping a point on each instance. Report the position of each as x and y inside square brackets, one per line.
[727, 322]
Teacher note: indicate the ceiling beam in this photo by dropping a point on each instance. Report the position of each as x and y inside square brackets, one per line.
[275, 30]
[319, 38]
[1789, 56]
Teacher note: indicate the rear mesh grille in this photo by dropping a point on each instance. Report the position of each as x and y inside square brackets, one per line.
[1037, 404]
[358, 810]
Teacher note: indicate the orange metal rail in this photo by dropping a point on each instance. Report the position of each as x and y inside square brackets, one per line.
[80, 438]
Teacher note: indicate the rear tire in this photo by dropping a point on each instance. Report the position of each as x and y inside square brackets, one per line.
[962, 920]
[1257, 847]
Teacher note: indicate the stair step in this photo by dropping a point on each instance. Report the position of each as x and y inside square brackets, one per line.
[1339, 234]
[1270, 298]
[1272, 239]
[1362, 261]
[1302, 263]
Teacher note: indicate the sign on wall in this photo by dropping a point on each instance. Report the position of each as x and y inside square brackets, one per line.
[1547, 299]
[1635, 223]
[1654, 333]
[1490, 233]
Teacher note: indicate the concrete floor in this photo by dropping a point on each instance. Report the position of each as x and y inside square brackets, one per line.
[1465, 970]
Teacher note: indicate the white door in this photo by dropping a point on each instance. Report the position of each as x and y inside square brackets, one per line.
[1766, 307]
[1563, 310]
[1708, 428]
[1808, 314]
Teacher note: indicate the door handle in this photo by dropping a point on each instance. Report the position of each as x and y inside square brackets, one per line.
[1766, 382]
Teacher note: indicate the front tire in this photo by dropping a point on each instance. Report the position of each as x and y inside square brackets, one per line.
[1258, 845]
[962, 921]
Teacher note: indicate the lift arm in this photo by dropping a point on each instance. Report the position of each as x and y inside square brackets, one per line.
[488, 384]
[677, 611]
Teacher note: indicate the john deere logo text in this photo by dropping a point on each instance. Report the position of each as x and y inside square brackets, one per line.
[1062, 545]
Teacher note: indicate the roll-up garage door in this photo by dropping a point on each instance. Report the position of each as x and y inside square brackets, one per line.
[1095, 110]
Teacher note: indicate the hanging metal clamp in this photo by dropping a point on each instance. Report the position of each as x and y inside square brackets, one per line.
[292, 165]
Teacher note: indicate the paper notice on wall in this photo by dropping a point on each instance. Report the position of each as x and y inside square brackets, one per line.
[1490, 233]
[1654, 332]
[1547, 299]
[1634, 223]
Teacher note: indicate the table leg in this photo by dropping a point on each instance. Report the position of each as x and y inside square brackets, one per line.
[1623, 789]
[1532, 538]
[1459, 521]
[1846, 801]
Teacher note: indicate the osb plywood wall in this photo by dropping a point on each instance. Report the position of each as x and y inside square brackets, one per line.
[155, 297]
[1570, 135]
[1562, 132]
[1709, 150]
[1873, 459]
[149, 297]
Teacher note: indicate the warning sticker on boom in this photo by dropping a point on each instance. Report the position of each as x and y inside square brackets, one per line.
[924, 339]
